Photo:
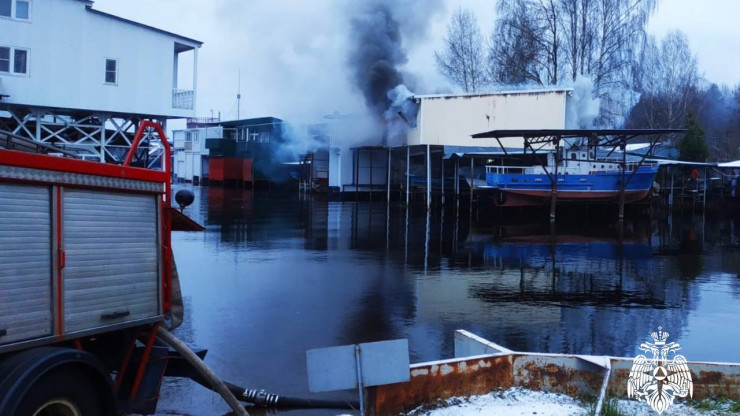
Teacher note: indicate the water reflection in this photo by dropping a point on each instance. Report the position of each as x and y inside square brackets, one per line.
[274, 275]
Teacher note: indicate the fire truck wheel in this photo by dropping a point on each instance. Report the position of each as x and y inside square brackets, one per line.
[63, 392]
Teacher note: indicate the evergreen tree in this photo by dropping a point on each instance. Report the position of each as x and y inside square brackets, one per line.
[693, 146]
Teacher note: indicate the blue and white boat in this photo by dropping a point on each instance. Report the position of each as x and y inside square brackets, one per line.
[580, 176]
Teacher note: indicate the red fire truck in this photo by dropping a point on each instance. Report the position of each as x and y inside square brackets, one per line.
[85, 281]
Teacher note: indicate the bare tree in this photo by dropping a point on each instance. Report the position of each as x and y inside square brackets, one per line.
[463, 58]
[562, 39]
[525, 46]
[667, 78]
[516, 55]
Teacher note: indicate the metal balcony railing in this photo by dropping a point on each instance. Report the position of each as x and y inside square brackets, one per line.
[183, 99]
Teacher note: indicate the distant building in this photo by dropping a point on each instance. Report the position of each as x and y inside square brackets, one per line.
[79, 78]
[242, 151]
[442, 126]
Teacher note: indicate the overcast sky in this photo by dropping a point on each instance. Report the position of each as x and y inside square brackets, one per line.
[292, 53]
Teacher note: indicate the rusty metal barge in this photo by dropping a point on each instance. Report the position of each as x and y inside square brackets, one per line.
[481, 366]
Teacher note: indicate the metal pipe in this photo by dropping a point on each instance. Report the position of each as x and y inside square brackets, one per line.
[203, 370]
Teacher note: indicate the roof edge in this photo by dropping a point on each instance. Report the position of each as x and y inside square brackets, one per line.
[491, 93]
[90, 8]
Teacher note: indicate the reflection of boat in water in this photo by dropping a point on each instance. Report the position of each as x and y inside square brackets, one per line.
[574, 243]
[572, 251]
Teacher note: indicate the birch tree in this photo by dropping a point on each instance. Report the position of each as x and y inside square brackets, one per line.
[462, 60]
[564, 39]
[667, 78]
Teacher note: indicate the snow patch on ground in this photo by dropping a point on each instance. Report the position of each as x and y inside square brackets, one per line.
[515, 401]
[518, 401]
[633, 407]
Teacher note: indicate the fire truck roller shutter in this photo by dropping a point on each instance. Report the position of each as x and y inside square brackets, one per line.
[25, 262]
[112, 262]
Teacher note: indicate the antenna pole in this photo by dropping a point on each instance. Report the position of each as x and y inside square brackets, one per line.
[239, 95]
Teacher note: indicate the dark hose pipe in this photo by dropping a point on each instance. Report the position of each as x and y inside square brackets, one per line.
[262, 398]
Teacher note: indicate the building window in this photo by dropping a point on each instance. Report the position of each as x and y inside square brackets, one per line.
[5, 7]
[241, 135]
[191, 136]
[4, 59]
[13, 60]
[20, 61]
[111, 71]
[20, 9]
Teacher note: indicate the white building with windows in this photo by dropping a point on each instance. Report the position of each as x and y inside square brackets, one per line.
[191, 153]
[79, 78]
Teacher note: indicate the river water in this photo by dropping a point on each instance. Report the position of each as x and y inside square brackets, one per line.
[274, 275]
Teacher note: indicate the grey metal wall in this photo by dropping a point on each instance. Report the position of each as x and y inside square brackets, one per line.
[25, 262]
[112, 262]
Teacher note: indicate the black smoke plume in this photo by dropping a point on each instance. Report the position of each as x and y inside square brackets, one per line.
[376, 54]
[379, 29]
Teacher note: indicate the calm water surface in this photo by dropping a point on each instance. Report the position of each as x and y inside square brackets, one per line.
[273, 276]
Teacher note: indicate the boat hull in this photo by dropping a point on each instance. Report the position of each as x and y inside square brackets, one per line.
[518, 190]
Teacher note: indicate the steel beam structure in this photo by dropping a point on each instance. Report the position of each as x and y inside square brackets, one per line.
[100, 136]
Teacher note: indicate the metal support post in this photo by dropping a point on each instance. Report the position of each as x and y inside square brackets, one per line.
[408, 173]
[357, 173]
[429, 177]
[554, 181]
[457, 183]
[442, 161]
[670, 195]
[360, 386]
[623, 182]
[372, 156]
[704, 199]
[472, 184]
[388, 180]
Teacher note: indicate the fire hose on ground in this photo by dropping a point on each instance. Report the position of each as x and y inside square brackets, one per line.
[232, 393]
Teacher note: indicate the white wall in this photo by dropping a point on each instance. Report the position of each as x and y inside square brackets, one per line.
[190, 160]
[68, 46]
[451, 120]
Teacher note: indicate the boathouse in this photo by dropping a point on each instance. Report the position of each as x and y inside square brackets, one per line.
[438, 141]
[81, 79]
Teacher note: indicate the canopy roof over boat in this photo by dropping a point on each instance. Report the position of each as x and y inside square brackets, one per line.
[568, 133]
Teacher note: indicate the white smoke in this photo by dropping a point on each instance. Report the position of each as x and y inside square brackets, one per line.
[401, 115]
[582, 108]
